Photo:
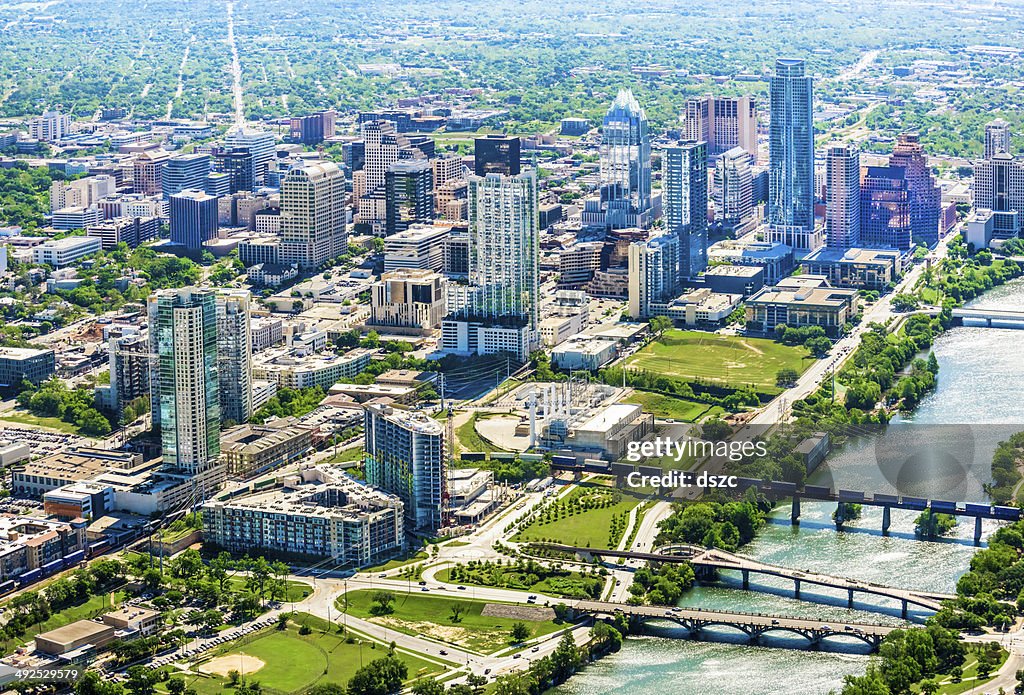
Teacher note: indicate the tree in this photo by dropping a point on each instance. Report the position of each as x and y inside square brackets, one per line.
[428, 686]
[379, 677]
[141, 680]
[786, 377]
[326, 689]
[520, 633]
[175, 686]
[152, 579]
[566, 658]
[457, 609]
[382, 601]
[871, 683]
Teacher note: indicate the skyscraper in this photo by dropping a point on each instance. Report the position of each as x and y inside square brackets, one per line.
[843, 200]
[625, 164]
[734, 190]
[193, 218]
[185, 380]
[383, 147]
[685, 181]
[185, 172]
[260, 143]
[312, 214]
[148, 171]
[997, 137]
[498, 310]
[239, 164]
[234, 355]
[723, 123]
[312, 129]
[885, 208]
[925, 194]
[496, 154]
[409, 186]
[405, 456]
[791, 146]
[999, 187]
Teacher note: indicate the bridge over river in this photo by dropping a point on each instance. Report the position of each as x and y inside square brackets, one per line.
[754, 625]
[708, 560]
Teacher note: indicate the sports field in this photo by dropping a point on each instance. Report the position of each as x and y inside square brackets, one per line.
[729, 360]
[287, 662]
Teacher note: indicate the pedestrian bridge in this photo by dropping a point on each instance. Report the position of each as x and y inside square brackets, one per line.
[990, 318]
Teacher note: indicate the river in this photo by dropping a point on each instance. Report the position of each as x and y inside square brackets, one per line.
[980, 381]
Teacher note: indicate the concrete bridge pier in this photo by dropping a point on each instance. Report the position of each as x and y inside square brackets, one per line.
[903, 612]
[886, 519]
[794, 514]
[849, 598]
[977, 530]
[840, 516]
[746, 578]
[796, 588]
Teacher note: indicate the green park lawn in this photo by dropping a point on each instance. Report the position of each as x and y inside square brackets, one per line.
[417, 613]
[734, 361]
[22, 417]
[397, 562]
[673, 408]
[296, 591]
[588, 529]
[353, 453]
[969, 678]
[470, 439]
[294, 662]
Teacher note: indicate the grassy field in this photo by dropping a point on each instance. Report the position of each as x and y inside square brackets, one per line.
[353, 453]
[470, 440]
[397, 562]
[296, 591]
[734, 361]
[96, 605]
[673, 408]
[431, 615]
[21, 417]
[294, 662]
[968, 680]
[588, 528]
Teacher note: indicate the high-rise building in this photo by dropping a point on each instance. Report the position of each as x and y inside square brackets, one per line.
[312, 129]
[313, 214]
[734, 190]
[51, 126]
[409, 298]
[383, 147]
[409, 190]
[498, 310]
[685, 182]
[625, 165]
[239, 163]
[997, 138]
[791, 146]
[999, 187]
[723, 123]
[261, 144]
[185, 172]
[185, 379]
[193, 218]
[148, 171]
[653, 273]
[234, 355]
[842, 197]
[885, 208]
[925, 194]
[405, 456]
[129, 371]
[496, 154]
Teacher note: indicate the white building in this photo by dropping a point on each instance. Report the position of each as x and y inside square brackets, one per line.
[61, 252]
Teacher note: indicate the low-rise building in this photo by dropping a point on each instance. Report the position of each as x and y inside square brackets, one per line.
[605, 432]
[584, 353]
[862, 269]
[317, 513]
[776, 259]
[699, 308]
[807, 300]
[734, 279]
[30, 543]
[21, 364]
[323, 370]
[362, 393]
[61, 252]
[249, 450]
[34, 478]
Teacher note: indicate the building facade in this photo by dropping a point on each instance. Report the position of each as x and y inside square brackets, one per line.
[791, 146]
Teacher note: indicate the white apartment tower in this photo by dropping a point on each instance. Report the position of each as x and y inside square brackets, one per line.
[312, 214]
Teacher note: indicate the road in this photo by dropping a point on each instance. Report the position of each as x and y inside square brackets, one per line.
[236, 69]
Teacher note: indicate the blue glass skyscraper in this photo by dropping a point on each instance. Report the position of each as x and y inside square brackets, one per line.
[791, 146]
[685, 179]
[626, 163]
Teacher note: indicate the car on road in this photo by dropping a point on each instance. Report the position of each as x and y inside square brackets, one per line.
[462, 588]
[423, 588]
[775, 622]
[443, 652]
[382, 575]
[423, 583]
[535, 649]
